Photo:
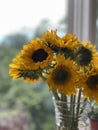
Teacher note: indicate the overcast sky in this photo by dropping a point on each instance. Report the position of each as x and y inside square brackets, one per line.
[15, 14]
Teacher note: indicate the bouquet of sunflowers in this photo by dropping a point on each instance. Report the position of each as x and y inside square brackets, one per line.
[68, 66]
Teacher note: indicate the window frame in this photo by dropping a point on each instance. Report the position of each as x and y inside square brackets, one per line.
[82, 19]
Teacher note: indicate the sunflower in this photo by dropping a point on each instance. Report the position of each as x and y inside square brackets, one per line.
[70, 41]
[86, 54]
[18, 70]
[30, 76]
[53, 40]
[63, 76]
[90, 85]
[36, 55]
[69, 36]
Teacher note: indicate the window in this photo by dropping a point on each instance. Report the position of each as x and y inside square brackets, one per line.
[82, 19]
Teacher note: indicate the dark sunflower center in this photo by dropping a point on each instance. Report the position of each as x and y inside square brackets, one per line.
[92, 82]
[67, 52]
[39, 55]
[61, 75]
[83, 56]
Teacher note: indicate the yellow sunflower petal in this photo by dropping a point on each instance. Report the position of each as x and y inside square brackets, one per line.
[27, 75]
[53, 39]
[70, 41]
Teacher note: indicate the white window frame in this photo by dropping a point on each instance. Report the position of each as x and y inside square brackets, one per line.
[82, 19]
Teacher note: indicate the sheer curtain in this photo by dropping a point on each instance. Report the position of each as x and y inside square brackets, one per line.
[82, 19]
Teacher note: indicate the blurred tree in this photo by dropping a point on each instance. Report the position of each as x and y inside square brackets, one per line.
[6, 53]
[34, 98]
[15, 40]
[62, 26]
[42, 27]
[17, 94]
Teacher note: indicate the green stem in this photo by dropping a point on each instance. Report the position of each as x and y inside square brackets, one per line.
[55, 94]
[71, 108]
[73, 120]
[63, 97]
[72, 111]
[78, 104]
[84, 104]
